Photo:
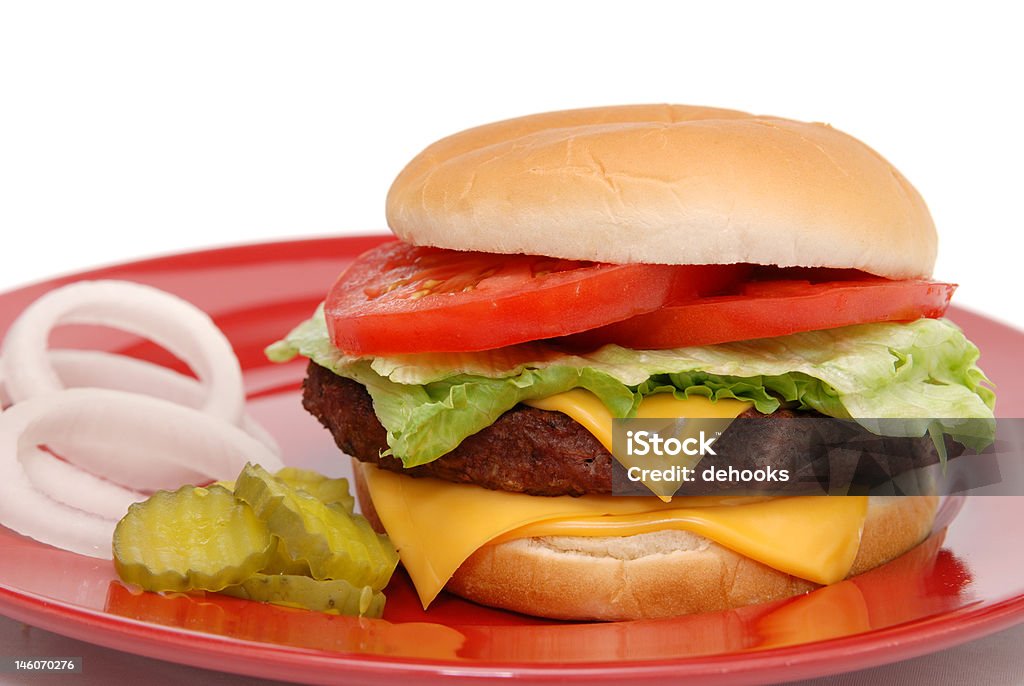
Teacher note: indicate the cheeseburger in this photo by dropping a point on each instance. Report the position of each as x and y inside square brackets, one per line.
[557, 271]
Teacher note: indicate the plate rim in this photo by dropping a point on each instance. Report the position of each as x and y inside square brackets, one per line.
[930, 634]
[880, 646]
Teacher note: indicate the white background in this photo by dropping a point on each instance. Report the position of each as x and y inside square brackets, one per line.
[131, 129]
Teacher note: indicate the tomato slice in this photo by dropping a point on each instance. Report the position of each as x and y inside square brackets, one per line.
[399, 298]
[774, 308]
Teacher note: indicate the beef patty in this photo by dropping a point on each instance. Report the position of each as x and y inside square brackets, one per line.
[541, 452]
[525, 451]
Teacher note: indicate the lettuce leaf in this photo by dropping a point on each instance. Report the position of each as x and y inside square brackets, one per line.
[923, 373]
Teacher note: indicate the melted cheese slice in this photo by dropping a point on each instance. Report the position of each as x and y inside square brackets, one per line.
[436, 525]
[588, 410]
[701, 414]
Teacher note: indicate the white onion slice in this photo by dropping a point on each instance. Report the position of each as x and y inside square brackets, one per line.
[180, 327]
[97, 369]
[33, 514]
[103, 430]
[126, 434]
[66, 483]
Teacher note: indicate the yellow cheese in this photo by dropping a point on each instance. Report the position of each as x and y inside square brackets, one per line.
[772, 531]
[588, 411]
[702, 416]
[436, 525]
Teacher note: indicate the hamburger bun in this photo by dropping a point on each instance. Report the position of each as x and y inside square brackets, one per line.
[660, 574]
[667, 184]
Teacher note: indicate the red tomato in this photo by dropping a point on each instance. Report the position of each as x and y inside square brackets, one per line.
[775, 308]
[398, 298]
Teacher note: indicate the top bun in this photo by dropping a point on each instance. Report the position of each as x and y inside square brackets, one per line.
[669, 184]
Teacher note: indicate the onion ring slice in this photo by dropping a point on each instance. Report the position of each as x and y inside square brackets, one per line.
[126, 434]
[102, 430]
[177, 325]
[98, 369]
[66, 483]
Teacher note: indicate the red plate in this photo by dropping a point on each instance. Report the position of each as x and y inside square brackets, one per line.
[959, 585]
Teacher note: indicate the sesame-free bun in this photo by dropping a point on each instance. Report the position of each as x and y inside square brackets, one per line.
[659, 574]
[669, 184]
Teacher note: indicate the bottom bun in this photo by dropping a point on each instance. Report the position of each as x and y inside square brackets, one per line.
[660, 574]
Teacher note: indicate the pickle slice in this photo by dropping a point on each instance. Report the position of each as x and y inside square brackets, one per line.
[337, 596]
[282, 563]
[189, 539]
[330, 491]
[335, 543]
[325, 489]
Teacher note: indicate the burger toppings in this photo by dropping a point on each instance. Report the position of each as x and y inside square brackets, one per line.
[95, 409]
[165, 319]
[290, 539]
[526, 450]
[330, 539]
[923, 372]
[335, 596]
[776, 307]
[191, 538]
[399, 298]
[116, 445]
[437, 525]
[562, 445]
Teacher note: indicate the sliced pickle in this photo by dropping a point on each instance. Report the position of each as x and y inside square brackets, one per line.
[325, 489]
[189, 539]
[337, 596]
[336, 544]
[329, 491]
[282, 563]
